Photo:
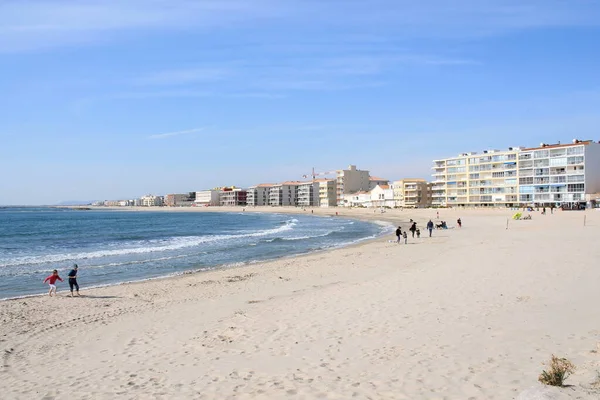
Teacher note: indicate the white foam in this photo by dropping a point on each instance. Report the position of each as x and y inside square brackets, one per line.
[173, 244]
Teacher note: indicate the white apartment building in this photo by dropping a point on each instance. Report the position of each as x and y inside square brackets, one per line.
[258, 195]
[327, 194]
[308, 194]
[412, 193]
[208, 198]
[559, 174]
[375, 181]
[284, 194]
[351, 180]
[151, 201]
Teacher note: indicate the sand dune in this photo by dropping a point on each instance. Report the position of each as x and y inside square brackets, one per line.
[471, 313]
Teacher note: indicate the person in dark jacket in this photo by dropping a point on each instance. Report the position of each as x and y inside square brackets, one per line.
[430, 227]
[398, 234]
[413, 228]
[73, 279]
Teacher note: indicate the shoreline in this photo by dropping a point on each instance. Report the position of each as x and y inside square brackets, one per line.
[209, 268]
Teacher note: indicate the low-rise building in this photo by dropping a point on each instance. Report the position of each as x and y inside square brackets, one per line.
[357, 199]
[382, 196]
[207, 198]
[180, 199]
[258, 195]
[412, 193]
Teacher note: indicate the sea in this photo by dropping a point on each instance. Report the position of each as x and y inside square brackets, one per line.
[112, 247]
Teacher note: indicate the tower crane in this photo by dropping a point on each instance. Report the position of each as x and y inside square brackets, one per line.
[315, 174]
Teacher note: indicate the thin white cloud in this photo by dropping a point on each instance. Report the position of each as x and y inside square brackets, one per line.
[182, 76]
[178, 133]
[194, 94]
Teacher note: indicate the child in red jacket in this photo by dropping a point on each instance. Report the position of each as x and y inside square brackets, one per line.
[51, 282]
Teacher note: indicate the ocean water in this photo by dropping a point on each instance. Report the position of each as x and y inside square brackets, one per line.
[115, 246]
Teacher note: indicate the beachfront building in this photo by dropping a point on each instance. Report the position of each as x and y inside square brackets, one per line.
[308, 194]
[258, 195]
[375, 181]
[559, 174]
[412, 193]
[232, 196]
[180, 199]
[327, 195]
[349, 181]
[284, 194]
[206, 198]
[151, 201]
[382, 196]
[358, 199]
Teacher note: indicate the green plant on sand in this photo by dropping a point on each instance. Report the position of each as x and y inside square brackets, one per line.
[560, 369]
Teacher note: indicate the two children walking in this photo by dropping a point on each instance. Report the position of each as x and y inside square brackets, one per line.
[51, 280]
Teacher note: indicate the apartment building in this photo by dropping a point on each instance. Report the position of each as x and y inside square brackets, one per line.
[208, 198]
[151, 201]
[284, 194]
[350, 180]
[412, 193]
[180, 199]
[327, 193]
[559, 174]
[258, 195]
[231, 197]
[308, 194]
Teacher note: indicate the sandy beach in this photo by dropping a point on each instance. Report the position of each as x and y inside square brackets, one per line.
[471, 313]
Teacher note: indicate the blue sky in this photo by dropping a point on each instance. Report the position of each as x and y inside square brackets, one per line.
[111, 99]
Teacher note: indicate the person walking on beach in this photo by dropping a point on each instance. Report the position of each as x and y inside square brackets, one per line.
[413, 229]
[459, 222]
[438, 214]
[398, 234]
[418, 233]
[73, 280]
[405, 236]
[430, 227]
[52, 282]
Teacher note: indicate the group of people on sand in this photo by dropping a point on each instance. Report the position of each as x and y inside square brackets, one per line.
[72, 276]
[415, 230]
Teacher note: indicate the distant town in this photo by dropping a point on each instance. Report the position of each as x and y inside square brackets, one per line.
[560, 175]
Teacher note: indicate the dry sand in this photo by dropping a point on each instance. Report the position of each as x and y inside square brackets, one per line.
[471, 313]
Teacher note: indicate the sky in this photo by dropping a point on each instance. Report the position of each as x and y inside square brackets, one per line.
[113, 99]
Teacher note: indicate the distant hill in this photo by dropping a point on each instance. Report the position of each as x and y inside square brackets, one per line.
[75, 203]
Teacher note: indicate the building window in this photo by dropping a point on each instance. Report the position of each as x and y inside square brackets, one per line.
[575, 150]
